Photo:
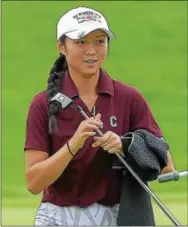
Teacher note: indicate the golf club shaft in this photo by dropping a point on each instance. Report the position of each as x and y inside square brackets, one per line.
[160, 204]
[183, 174]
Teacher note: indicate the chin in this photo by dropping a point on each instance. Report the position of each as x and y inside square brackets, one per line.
[90, 72]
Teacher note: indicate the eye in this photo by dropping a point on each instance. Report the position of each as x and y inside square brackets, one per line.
[101, 41]
[80, 42]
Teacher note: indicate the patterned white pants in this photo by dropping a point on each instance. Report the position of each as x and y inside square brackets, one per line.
[49, 214]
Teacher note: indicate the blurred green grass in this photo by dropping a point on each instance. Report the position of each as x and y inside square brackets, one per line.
[150, 53]
[25, 213]
[28, 214]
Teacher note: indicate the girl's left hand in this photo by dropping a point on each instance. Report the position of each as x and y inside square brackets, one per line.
[110, 142]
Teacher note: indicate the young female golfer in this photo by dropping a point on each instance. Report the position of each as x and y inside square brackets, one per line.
[64, 157]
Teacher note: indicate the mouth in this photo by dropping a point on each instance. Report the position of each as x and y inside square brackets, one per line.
[90, 61]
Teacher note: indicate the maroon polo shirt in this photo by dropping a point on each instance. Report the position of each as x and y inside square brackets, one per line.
[89, 177]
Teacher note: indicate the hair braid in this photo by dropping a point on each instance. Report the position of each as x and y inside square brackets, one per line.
[54, 81]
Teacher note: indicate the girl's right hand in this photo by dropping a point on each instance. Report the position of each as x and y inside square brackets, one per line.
[84, 131]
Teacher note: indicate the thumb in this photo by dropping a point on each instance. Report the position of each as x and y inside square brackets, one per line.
[98, 116]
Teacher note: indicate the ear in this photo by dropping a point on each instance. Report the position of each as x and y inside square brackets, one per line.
[61, 48]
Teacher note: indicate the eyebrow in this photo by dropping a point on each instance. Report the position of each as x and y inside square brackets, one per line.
[100, 35]
[82, 38]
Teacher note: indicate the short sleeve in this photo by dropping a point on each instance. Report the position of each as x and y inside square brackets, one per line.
[37, 136]
[141, 115]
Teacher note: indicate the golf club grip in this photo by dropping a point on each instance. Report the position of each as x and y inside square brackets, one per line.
[174, 176]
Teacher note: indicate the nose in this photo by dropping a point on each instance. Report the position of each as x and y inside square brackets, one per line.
[90, 50]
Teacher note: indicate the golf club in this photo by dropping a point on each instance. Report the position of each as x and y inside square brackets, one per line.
[65, 102]
[174, 176]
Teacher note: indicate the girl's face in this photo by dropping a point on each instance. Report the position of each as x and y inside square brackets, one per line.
[85, 55]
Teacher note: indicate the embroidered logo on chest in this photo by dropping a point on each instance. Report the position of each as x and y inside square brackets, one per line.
[113, 121]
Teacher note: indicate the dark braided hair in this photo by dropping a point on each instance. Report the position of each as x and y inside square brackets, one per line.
[57, 72]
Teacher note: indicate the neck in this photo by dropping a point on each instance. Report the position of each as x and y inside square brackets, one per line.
[86, 84]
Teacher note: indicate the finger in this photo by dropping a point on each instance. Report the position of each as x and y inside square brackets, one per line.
[96, 138]
[91, 119]
[90, 127]
[113, 150]
[99, 142]
[112, 139]
[94, 121]
[114, 136]
[88, 134]
[102, 140]
[107, 136]
[98, 116]
[110, 146]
